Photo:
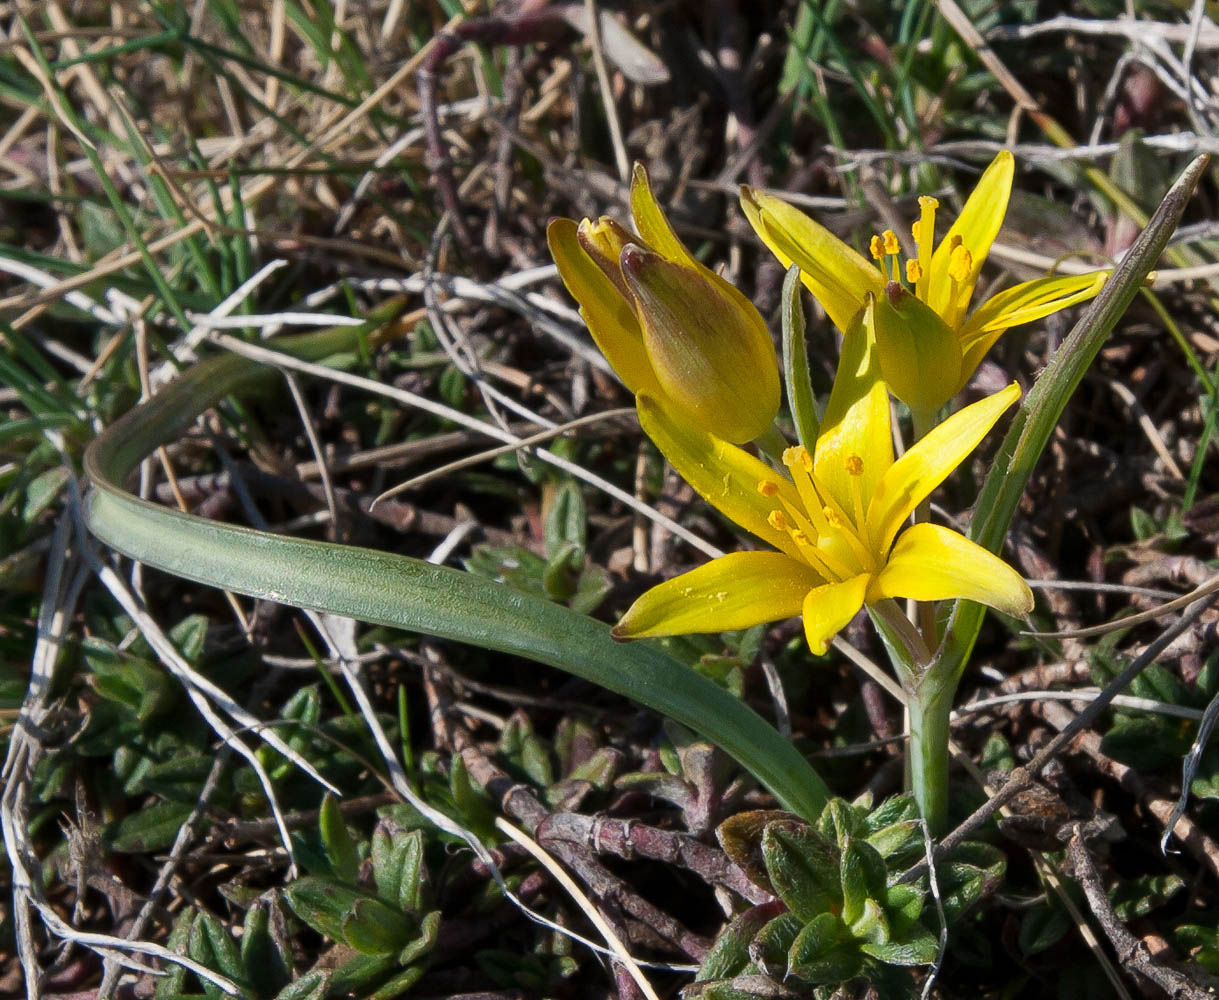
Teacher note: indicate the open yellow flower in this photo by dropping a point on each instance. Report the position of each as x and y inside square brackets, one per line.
[670, 327]
[836, 520]
[928, 345]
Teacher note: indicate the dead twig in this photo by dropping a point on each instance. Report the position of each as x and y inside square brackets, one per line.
[1132, 952]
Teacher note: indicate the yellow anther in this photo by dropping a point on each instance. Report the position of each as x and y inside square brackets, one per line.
[914, 232]
[913, 271]
[891, 244]
[831, 516]
[777, 520]
[854, 465]
[768, 487]
[798, 454]
[960, 263]
[801, 538]
[877, 248]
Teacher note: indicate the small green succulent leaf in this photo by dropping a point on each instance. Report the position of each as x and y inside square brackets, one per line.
[310, 986]
[575, 741]
[838, 821]
[360, 974]
[729, 955]
[863, 876]
[373, 928]
[1042, 927]
[770, 945]
[173, 982]
[600, 769]
[519, 744]
[904, 902]
[973, 871]
[413, 875]
[872, 925]
[823, 952]
[265, 953]
[472, 805]
[803, 866]
[919, 948]
[1138, 896]
[211, 945]
[340, 845]
[429, 927]
[398, 985]
[152, 829]
[897, 840]
[190, 635]
[349, 915]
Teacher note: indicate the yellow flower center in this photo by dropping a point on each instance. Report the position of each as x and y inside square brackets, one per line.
[886, 250]
[829, 539]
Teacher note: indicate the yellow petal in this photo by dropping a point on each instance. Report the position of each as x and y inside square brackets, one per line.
[1024, 303]
[920, 356]
[722, 474]
[828, 608]
[933, 563]
[977, 225]
[651, 222]
[714, 359]
[610, 317]
[838, 277]
[856, 422]
[738, 590]
[929, 462]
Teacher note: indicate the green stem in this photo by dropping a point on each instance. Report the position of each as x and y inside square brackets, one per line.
[924, 611]
[928, 755]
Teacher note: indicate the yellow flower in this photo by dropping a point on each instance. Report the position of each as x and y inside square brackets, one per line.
[928, 345]
[836, 520]
[671, 328]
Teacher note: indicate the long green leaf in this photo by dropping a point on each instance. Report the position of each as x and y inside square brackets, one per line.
[401, 592]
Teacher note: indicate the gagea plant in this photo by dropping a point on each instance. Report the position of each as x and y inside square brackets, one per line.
[845, 522]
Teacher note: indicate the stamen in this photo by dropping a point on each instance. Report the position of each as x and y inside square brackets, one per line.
[805, 536]
[924, 235]
[914, 272]
[768, 488]
[777, 520]
[876, 247]
[892, 247]
[854, 470]
[815, 557]
[800, 463]
[960, 263]
[832, 514]
[798, 455]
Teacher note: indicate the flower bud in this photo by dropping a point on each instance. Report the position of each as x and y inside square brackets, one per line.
[709, 348]
[603, 241]
[919, 354]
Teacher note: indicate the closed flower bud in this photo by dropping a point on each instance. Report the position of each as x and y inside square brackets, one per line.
[672, 329]
[712, 356]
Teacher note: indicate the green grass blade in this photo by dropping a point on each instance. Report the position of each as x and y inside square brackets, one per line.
[400, 592]
[795, 363]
